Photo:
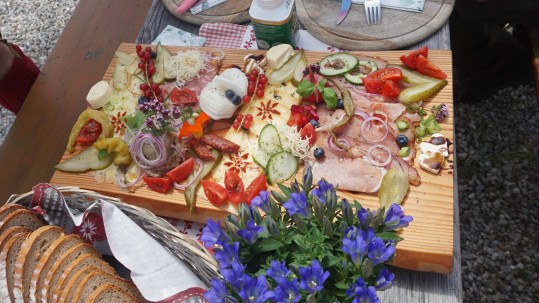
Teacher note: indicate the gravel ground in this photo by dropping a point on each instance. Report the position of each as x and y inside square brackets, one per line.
[498, 161]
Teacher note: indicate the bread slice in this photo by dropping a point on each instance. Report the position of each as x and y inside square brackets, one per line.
[66, 294]
[61, 264]
[8, 257]
[96, 278]
[31, 251]
[110, 293]
[87, 260]
[6, 209]
[10, 232]
[23, 218]
[56, 250]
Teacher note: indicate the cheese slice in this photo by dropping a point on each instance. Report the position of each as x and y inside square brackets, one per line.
[279, 54]
[99, 94]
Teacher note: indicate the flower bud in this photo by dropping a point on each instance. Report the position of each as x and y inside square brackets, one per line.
[275, 209]
[255, 214]
[273, 228]
[328, 227]
[378, 218]
[311, 299]
[279, 197]
[331, 205]
[367, 268]
[299, 222]
[307, 179]
[343, 227]
[230, 299]
[231, 227]
[245, 214]
[294, 187]
[319, 209]
[347, 212]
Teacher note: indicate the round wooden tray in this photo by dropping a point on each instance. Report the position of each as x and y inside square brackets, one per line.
[398, 28]
[232, 11]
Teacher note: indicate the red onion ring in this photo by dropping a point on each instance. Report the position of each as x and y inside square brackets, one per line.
[200, 164]
[364, 127]
[369, 156]
[140, 158]
[334, 146]
[121, 183]
[362, 114]
[179, 151]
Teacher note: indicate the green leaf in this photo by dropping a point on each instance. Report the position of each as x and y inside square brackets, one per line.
[102, 154]
[267, 244]
[141, 118]
[342, 284]
[285, 190]
[305, 88]
[131, 122]
[330, 96]
[387, 235]
[322, 84]
[169, 129]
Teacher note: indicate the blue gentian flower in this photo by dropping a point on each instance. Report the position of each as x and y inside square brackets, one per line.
[234, 276]
[228, 254]
[361, 293]
[255, 290]
[355, 248]
[250, 233]
[395, 218]
[217, 293]
[277, 270]
[286, 291]
[384, 280]
[261, 201]
[297, 204]
[365, 217]
[213, 234]
[321, 190]
[378, 251]
[312, 278]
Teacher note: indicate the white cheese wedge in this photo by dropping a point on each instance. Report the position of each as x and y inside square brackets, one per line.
[99, 94]
[431, 162]
[214, 102]
[233, 79]
[427, 147]
[279, 54]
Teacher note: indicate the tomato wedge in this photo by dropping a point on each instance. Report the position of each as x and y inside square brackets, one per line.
[388, 73]
[158, 184]
[411, 59]
[296, 120]
[373, 86]
[182, 171]
[183, 95]
[234, 187]
[257, 185]
[308, 132]
[215, 193]
[90, 132]
[428, 68]
[391, 88]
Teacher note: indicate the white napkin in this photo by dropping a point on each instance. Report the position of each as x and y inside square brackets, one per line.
[405, 5]
[157, 273]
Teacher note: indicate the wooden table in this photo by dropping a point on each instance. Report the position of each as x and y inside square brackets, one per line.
[38, 137]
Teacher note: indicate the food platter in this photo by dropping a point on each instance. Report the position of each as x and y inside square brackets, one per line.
[428, 244]
[230, 12]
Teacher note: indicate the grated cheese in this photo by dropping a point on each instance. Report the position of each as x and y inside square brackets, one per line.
[292, 142]
[186, 65]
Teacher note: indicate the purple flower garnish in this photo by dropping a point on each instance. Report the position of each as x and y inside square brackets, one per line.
[255, 290]
[312, 278]
[320, 191]
[355, 248]
[261, 201]
[213, 234]
[378, 251]
[395, 218]
[235, 275]
[277, 270]
[217, 293]
[441, 112]
[384, 280]
[361, 293]
[228, 254]
[250, 234]
[287, 291]
[297, 204]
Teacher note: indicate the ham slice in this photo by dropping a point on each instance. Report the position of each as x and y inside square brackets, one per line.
[205, 77]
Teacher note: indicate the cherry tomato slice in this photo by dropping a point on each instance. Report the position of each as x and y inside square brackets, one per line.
[428, 68]
[391, 88]
[373, 86]
[182, 171]
[158, 184]
[308, 132]
[295, 121]
[388, 73]
[411, 59]
[257, 185]
[90, 132]
[234, 187]
[183, 95]
[215, 193]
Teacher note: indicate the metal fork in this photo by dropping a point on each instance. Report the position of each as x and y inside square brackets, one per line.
[373, 11]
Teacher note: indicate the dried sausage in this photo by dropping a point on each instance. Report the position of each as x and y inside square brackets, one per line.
[220, 143]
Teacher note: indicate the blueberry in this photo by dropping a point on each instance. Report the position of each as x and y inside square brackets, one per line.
[340, 103]
[154, 54]
[319, 152]
[244, 128]
[143, 100]
[314, 123]
[402, 140]
[236, 100]
[229, 94]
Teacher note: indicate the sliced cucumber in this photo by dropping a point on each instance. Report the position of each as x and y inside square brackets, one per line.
[85, 161]
[411, 76]
[169, 74]
[281, 167]
[363, 69]
[337, 64]
[159, 75]
[285, 72]
[420, 92]
[269, 143]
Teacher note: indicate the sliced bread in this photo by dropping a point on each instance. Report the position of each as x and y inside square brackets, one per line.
[10, 232]
[87, 260]
[66, 294]
[55, 251]
[8, 257]
[31, 251]
[6, 209]
[23, 218]
[110, 293]
[97, 278]
[61, 264]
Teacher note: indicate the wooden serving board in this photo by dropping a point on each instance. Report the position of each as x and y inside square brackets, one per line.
[232, 11]
[398, 28]
[428, 244]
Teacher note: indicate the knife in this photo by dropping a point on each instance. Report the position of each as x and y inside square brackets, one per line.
[345, 7]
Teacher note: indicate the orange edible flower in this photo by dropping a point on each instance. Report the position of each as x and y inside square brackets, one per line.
[197, 129]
